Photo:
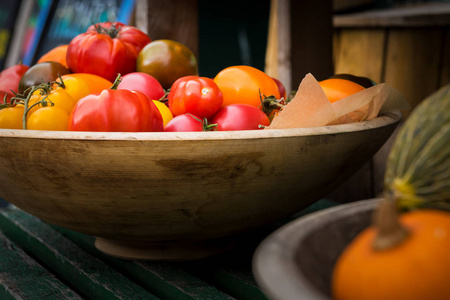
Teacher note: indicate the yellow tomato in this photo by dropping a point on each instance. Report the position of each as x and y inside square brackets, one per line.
[245, 84]
[164, 110]
[48, 118]
[337, 88]
[95, 83]
[58, 97]
[11, 117]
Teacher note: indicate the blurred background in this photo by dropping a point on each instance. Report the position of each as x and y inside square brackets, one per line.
[403, 43]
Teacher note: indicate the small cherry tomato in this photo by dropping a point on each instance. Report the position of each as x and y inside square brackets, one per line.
[167, 61]
[244, 84]
[11, 117]
[144, 83]
[48, 118]
[188, 122]
[199, 96]
[337, 88]
[240, 117]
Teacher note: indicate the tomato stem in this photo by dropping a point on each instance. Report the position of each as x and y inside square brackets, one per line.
[116, 82]
[269, 103]
[113, 32]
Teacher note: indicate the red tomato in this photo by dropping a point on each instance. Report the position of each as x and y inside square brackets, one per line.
[116, 110]
[281, 88]
[10, 78]
[144, 83]
[239, 117]
[199, 96]
[245, 84]
[106, 49]
[187, 122]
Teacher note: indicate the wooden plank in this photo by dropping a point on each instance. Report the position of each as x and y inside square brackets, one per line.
[445, 65]
[360, 52]
[174, 20]
[21, 277]
[165, 280]
[425, 14]
[413, 60]
[66, 259]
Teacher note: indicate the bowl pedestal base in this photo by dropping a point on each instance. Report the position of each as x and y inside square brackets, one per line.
[164, 251]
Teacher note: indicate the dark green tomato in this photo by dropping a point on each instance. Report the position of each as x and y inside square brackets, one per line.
[41, 73]
[167, 61]
[363, 81]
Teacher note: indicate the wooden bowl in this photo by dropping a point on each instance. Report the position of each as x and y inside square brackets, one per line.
[297, 260]
[179, 195]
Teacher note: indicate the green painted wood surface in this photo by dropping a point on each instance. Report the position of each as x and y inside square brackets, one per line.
[71, 264]
[21, 277]
[91, 277]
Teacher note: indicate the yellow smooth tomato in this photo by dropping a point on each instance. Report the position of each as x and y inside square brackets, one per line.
[74, 86]
[243, 84]
[337, 88]
[48, 118]
[164, 110]
[11, 117]
[58, 97]
[95, 83]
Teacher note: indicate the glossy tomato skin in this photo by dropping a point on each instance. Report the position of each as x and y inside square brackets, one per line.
[116, 110]
[167, 60]
[10, 78]
[199, 96]
[41, 73]
[243, 84]
[144, 83]
[239, 117]
[337, 88]
[185, 122]
[106, 49]
[281, 88]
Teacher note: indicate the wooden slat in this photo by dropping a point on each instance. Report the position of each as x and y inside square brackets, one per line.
[66, 259]
[360, 52]
[445, 65]
[21, 277]
[413, 62]
[165, 280]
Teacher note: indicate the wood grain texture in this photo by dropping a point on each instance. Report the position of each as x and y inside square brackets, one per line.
[174, 20]
[413, 60]
[21, 277]
[360, 52]
[180, 187]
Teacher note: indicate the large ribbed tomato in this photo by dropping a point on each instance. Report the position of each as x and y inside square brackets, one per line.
[106, 49]
[116, 110]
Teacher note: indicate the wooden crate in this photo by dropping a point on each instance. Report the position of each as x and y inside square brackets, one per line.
[408, 48]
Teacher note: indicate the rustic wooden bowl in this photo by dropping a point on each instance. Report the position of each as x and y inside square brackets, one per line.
[297, 260]
[179, 195]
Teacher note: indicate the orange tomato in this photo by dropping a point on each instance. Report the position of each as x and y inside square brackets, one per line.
[243, 84]
[337, 88]
[79, 85]
[95, 83]
[57, 54]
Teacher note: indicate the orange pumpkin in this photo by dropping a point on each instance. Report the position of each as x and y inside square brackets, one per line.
[57, 54]
[418, 267]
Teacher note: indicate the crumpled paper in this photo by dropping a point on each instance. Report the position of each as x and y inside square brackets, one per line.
[311, 108]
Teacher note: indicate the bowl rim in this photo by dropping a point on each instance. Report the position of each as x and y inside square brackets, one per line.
[274, 260]
[386, 119]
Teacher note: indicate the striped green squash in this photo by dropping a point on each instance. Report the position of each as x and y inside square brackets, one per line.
[418, 166]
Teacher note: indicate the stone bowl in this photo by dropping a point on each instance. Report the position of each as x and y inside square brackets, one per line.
[296, 261]
[179, 196]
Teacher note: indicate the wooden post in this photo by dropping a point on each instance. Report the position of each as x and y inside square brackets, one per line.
[174, 20]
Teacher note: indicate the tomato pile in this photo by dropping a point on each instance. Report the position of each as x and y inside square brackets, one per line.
[114, 77]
